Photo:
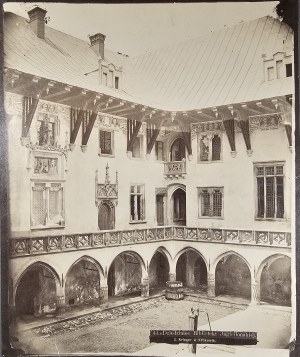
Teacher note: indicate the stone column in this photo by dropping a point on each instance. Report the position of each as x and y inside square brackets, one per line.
[255, 293]
[60, 304]
[211, 285]
[172, 272]
[145, 287]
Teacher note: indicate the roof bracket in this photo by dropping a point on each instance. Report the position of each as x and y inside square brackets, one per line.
[186, 133]
[153, 130]
[88, 120]
[76, 116]
[133, 127]
[229, 128]
[29, 108]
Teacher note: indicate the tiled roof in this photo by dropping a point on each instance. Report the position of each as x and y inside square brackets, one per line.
[223, 67]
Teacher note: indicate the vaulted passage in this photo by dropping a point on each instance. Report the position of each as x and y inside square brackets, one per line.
[83, 284]
[191, 270]
[124, 275]
[36, 292]
[275, 282]
[158, 272]
[233, 277]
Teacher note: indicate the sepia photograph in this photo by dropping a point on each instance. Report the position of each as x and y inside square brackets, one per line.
[150, 179]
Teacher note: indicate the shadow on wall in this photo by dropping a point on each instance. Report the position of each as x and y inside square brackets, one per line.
[275, 283]
[233, 277]
[82, 284]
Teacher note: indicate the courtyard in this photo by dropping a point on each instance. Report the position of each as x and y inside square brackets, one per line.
[125, 328]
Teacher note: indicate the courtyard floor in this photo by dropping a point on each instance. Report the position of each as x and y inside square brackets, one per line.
[123, 329]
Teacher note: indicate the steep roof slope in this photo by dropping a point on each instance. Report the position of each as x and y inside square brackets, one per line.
[223, 67]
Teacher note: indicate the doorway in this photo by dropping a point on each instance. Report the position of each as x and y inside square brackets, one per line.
[106, 216]
[179, 207]
[178, 150]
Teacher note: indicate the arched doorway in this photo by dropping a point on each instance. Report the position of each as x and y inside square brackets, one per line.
[177, 150]
[233, 277]
[179, 207]
[275, 281]
[158, 272]
[106, 219]
[36, 291]
[125, 275]
[83, 283]
[191, 270]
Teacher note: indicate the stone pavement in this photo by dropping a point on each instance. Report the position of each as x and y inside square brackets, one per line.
[272, 324]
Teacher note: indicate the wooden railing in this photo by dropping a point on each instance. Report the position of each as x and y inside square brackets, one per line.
[71, 242]
[175, 168]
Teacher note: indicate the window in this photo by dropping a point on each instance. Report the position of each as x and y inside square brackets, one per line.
[289, 70]
[137, 203]
[110, 78]
[211, 201]
[105, 78]
[106, 142]
[279, 69]
[46, 131]
[117, 82]
[136, 148]
[159, 150]
[271, 73]
[270, 191]
[47, 205]
[210, 147]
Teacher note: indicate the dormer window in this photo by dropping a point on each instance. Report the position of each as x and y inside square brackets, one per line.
[277, 66]
[270, 73]
[117, 82]
[289, 69]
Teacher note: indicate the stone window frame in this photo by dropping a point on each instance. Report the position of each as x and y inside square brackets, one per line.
[112, 142]
[210, 190]
[271, 62]
[134, 188]
[46, 200]
[274, 164]
[210, 136]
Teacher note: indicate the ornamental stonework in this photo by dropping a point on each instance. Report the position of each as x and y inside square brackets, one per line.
[13, 104]
[111, 122]
[265, 122]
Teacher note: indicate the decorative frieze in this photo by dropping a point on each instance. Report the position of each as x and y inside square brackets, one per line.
[13, 104]
[46, 165]
[108, 121]
[48, 244]
[265, 122]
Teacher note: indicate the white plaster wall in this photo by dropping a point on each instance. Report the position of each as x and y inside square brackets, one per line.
[236, 175]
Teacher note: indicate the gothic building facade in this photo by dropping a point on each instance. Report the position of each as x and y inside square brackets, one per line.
[125, 173]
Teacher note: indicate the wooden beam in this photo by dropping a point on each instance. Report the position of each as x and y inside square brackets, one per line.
[29, 108]
[205, 115]
[133, 127]
[76, 117]
[186, 133]
[250, 110]
[265, 107]
[245, 127]
[111, 109]
[88, 121]
[229, 129]
[153, 130]
[288, 130]
[66, 91]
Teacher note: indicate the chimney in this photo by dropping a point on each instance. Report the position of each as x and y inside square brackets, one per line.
[37, 21]
[97, 44]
